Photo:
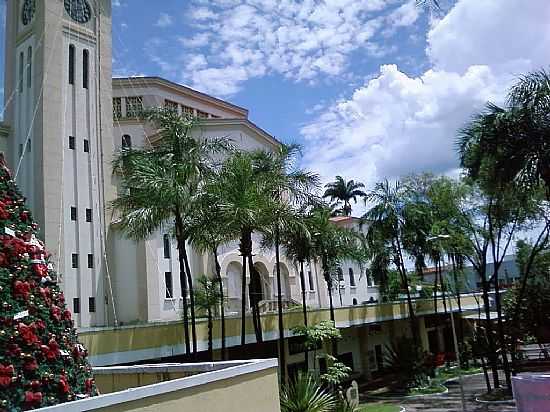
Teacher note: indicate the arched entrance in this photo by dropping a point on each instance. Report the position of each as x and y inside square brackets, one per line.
[264, 280]
[233, 285]
[285, 282]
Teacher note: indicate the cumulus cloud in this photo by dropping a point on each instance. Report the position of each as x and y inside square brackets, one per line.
[396, 124]
[303, 41]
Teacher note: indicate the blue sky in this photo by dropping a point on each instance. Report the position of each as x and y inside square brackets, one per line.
[372, 88]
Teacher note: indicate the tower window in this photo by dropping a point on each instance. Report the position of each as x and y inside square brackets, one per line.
[117, 107]
[126, 141]
[166, 244]
[72, 143]
[91, 304]
[71, 63]
[29, 145]
[85, 67]
[90, 261]
[88, 215]
[169, 291]
[21, 71]
[73, 213]
[20, 149]
[351, 278]
[74, 260]
[29, 66]
[76, 305]
[86, 145]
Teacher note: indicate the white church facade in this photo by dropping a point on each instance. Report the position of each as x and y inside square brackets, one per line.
[64, 120]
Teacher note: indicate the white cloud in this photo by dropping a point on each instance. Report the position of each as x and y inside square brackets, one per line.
[396, 124]
[164, 20]
[299, 40]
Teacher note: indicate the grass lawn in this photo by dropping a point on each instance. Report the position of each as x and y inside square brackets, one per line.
[374, 407]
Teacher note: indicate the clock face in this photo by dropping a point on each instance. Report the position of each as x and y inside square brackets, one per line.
[79, 10]
[27, 12]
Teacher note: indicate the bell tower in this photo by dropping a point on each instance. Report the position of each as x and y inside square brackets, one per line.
[58, 98]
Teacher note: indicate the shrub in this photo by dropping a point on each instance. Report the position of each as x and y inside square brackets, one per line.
[304, 394]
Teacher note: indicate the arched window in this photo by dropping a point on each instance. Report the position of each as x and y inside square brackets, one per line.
[21, 71]
[85, 67]
[71, 63]
[29, 66]
[126, 141]
[368, 275]
[340, 274]
[351, 278]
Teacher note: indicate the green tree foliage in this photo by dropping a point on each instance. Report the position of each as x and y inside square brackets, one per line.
[344, 192]
[41, 360]
[208, 299]
[409, 362]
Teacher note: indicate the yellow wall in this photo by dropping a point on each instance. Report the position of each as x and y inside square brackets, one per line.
[251, 392]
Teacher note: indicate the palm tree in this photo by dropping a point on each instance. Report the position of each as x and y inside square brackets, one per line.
[387, 218]
[244, 207]
[304, 394]
[208, 298]
[292, 189]
[344, 191]
[206, 234]
[159, 185]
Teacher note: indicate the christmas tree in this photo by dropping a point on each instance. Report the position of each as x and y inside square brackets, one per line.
[41, 361]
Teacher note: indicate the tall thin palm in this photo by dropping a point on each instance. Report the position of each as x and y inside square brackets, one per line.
[292, 189]
[208, 298]
[344, 191]
[387, 218]
[159, 185]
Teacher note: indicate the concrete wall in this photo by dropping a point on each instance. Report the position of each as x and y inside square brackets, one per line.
[239, 386]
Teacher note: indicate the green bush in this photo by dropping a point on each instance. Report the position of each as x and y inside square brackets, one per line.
[304, 394]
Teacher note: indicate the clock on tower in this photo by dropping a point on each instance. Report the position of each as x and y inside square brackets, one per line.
[79, 10]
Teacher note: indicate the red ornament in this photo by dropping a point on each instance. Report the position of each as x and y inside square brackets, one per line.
[24, 215]
[33, 398]
[64, 385]
[45, 293]
[89, 385]
[21, 290]
[6, 373]
[27, 333]
[67, 314]
[40, 269]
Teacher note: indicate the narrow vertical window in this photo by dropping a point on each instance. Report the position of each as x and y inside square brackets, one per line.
[169, 292]
[74, 260]
[310, 277]
[85, 67]
[73, 213]
[86, 145]
[29, 66]
[88, 215]
[71, 63]
[91, 304]
[351, 277]
[90, 261]
[76, 305]
[21, 71]
[166, 245]
[126, 141]
[72, 143]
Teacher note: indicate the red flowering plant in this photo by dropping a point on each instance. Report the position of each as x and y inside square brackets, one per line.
[41, 361]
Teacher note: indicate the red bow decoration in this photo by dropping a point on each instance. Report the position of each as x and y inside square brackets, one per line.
[6, 373]
[27, 333]
[67, 314]
[45, 293]
[34, 398]
[40, 269]
[21, 290]
[51, 351]
[56, 313]
[63, 384]
[16, 245]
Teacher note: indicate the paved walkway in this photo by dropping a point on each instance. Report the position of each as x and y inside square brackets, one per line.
[451, 401]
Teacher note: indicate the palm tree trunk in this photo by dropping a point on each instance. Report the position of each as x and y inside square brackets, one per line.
[183, 281]
[282, 355]
[405, 280]
[435, 287]
[326, 274]
[210, 327]
[489, 331]
[191, 298]
[304, 308]
[245, 246]
[500, 323]
[457, 289]
[442, 282]
[222, 301]
[253, 301]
